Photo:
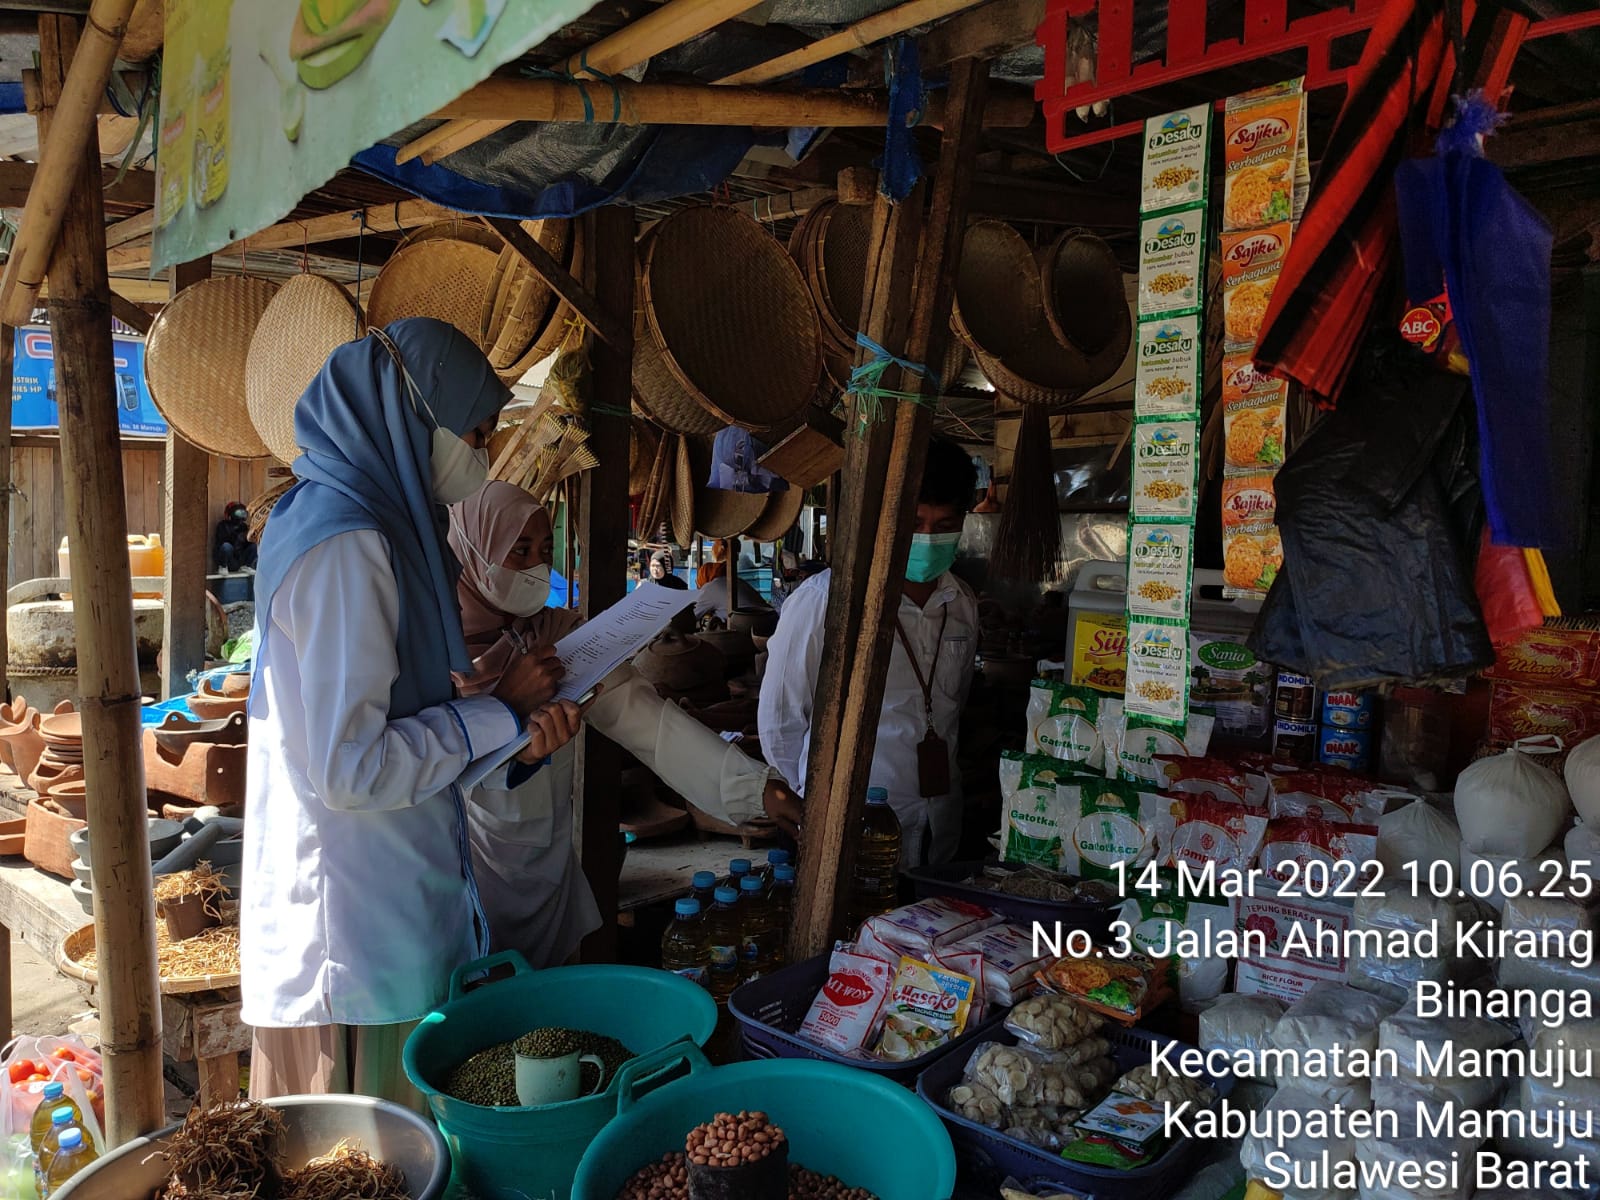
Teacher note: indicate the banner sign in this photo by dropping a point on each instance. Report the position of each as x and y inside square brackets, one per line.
[263, 102]
[33, 387]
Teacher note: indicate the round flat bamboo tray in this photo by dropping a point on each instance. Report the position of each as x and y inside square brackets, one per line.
[307, 320]
[644, 442]
[732, 316]
[843, 254]
[1086, 304]
[439, 277]
[80, 941]
[521, 306]
[195, 363]
[778, 515]
[460, 229]
[997, 308]
[659, 393]
[1019, 379]
[683, 493]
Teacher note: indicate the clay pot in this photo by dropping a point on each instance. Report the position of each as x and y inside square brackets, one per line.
[72, 795]
[680, 662]
[177, 732]
[236, 684]
[758, 622]
[199, 774]
[45, 840]
[734, 645]
[25, 742]
[212, 707]
[52, 773]
[187, 917]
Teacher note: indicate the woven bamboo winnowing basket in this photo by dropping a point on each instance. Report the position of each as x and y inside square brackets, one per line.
[195, 363]
[732, 316]
[309, 318]
[445, 278]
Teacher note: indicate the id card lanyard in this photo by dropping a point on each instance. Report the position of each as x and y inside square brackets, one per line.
[933, 755]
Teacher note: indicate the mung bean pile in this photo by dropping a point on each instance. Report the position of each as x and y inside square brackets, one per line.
[668, 1179]
[489, 1077]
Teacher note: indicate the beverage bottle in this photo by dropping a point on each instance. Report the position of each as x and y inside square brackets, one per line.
[69, 1152]
[738, 868]
[874, 886]
[781, 897]
[758, 949]
[56, 1115]
[702, 887]
[722, 943]
[683, 949]
[775, 859]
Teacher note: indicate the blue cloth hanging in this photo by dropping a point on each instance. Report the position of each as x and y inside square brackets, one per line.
[733, 464]
[1461, 222]
[902, 162]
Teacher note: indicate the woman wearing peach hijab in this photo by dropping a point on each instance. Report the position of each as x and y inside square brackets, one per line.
[533, 890]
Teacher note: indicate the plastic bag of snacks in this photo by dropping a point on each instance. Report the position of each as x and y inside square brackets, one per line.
[1305, 840]
[1065, 722]
[1059, 1023]
[1032, 812]
[1144, 1082]
[1155, 920]
[32, 1062]
[927, 1007]
[937, 921]
[1022, 1076]
[1106, 823]
[1122, 988]
[844, 1016]
[1007, 962]
[1208, 830]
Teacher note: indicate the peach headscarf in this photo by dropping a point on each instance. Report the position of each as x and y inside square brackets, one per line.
[483, 529]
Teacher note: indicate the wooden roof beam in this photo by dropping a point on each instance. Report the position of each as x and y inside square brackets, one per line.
[292, 235]
[995, 28]
[511, 99]
[862, 34]
[136, 187]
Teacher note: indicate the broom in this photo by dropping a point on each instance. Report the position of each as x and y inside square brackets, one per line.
[1027, 546]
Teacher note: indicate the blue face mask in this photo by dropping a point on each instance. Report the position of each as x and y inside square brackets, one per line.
[932, 554]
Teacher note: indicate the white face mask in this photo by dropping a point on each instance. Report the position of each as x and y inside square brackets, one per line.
[459, 471]
[520, 593]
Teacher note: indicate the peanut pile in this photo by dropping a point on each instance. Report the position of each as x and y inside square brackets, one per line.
[732, 1139]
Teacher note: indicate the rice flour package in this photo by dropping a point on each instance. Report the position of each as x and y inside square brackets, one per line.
[1141, 742]
[844, 1016]
[1106, 823]
[1064, 722]
[1031, 812]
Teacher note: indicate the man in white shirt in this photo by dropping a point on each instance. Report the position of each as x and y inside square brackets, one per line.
[930, 671]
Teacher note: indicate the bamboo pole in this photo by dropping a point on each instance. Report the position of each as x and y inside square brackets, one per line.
[504, 98]
[869, 559]
[108, 671]
[8, 346]
[863, 33]
[670, 25]
[73, 127]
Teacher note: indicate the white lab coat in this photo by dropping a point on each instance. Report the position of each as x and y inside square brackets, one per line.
[533, 888]
[355, 906]
[930, 827]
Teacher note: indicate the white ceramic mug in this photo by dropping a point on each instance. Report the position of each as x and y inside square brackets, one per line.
[556, 1079]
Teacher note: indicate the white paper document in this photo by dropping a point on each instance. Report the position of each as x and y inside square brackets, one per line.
[592, 651]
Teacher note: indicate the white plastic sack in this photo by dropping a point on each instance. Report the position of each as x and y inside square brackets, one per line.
[1334, 1015]
[1511, 804]
[1255, 1152]
[1535, 1148]
[1393, 976]
[1489, 883]
[1407, 1034]
[1582, 774]
[1582, 847]
[1201, 978]
[1416, 833]
[1542, 974]
[1581, 1037]
[1384, 1160]
[1237, 1022]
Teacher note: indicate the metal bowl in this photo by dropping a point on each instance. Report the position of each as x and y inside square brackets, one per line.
[314, 1125]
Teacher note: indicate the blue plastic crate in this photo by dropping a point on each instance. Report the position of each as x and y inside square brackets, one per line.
[770, 1011]
[990, 1155]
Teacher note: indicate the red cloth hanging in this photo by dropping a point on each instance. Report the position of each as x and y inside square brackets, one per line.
[1506, 591]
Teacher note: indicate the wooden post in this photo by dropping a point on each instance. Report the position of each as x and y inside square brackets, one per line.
[870, 532]
[108, 670]
[187, 535]
[603, 560]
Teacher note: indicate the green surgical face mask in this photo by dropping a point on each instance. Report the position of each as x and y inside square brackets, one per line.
[932, 554]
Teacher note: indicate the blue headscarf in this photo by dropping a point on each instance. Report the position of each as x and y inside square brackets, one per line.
[364, 464]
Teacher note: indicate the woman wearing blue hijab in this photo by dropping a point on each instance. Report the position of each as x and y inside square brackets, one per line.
[358, 897]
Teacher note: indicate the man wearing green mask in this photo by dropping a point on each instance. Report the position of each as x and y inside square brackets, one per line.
[930, 670]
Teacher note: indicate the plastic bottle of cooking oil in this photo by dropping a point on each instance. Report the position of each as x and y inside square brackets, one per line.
[781, 897]
[874, 887]
[758, 950]
[683, 949]
[775, 859]
[69, 1152]
[703, 887]
[52, 1115]
[738, 868]
[722, 943]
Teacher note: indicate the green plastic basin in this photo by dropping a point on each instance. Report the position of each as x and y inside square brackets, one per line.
[866, 1131]
[532, 1153]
